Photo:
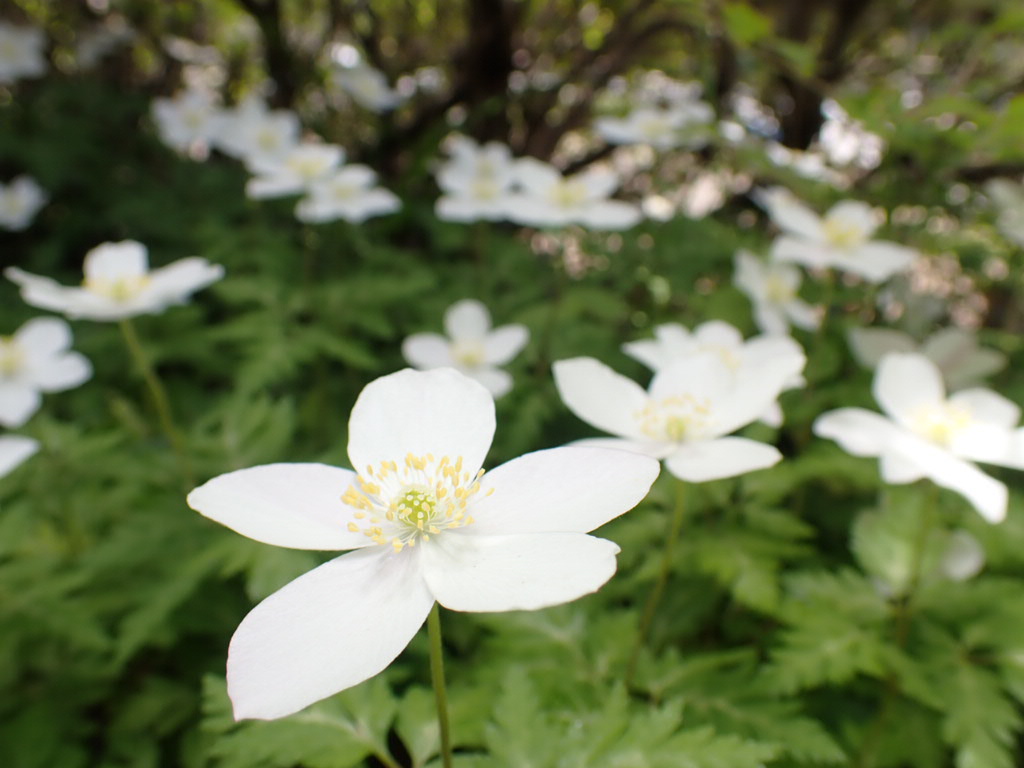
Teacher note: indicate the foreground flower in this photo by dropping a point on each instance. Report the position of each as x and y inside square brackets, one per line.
[928, 435]
[772, 289]
[350, 193]
[294, 171]
[20, 201]
[672, 344]
[684, 416]
[191, 117]
[549, 199]
[37, 359]
[476, 181]
[21, 52]
[428, 525]
[118, 284]
[840, 239]
[472, 346]
[661, 127]
[954, 351]
[14, 450]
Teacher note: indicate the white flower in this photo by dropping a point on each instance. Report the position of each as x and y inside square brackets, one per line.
[368, 87]
[661, 127]
[772, 289]
[21, 52]
[34, 360]
[20, 201]
[1009, 199]
[118, 284]
[685, 413]
[348, 193]
[15, 449]
[476, 181]
[840, 239]
[191, 118]
[428, 525]
[250, 130]
[472, 346]
[293, 172]
[550, 200]
[674, 344]
[954, 351]
[929, 435]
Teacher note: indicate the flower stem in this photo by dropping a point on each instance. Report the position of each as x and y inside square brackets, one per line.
[160, 401]
[658, 590]
[437, 678]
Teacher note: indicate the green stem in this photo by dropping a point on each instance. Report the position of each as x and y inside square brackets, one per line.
[903, 614]
[437, 678]
[658, 590]
[160, 400]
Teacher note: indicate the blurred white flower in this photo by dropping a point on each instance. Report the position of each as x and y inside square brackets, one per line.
[549, 199]
[476, 181]
[15, 449]
[772, 288]
[293, 172]
[349, 193]
[1008, 197]
[367, 86]
[926, 434]
[660, 127]
[118, 284]
[21, 52]
[251, 130]
[673, 343]
[954, 351]
[189, 119]
[472, 347]
[37, 359]
[964, 556]
[20, 201]
[684, 416]
[93, 45]
[427, 525]
[841, 239]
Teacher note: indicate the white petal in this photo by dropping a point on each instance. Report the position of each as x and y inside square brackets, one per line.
[116, 261]
[702, 376]
[770, 318]
[725, 457]
[64, 372]
[498, 382]
[790, 250]
[467, 319]
[802, 315]
[439, 412]
[328, 630]
[17, 404]
[43, 337]
[535, 176]
[264, 187]
[870, 345]
[14, 449]
[789, 214]
[986, 494]
[858, 431]
[600, 396]
[988, 407]
[904, 382]
[568, 489]
[898, 470]
[174, 283]
[288, 505]
[427, 350]
[877, 261]
[653, 448]
[517, 572]
[504, 343]
[610, 215]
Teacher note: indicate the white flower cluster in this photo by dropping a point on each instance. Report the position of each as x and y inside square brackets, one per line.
[487, 184]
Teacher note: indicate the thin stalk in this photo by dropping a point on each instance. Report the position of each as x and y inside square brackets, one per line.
[658, 590]
[437, 678]
[903, 614]
[160, 400]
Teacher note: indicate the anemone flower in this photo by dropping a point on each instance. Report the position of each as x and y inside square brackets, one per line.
[20, 201]
[772, 288]
[350, 193]
[426, 523]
